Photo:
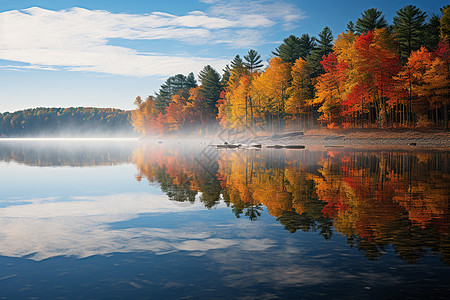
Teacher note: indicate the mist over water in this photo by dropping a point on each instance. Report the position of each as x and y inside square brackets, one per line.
[171, 217]
[67, 151]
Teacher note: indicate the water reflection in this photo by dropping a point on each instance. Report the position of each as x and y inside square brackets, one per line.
[376, 199]
[67, 152]
[204, 223]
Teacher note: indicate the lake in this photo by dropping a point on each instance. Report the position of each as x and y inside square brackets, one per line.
[110, 219]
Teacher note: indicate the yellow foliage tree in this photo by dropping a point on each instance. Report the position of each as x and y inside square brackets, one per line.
[270, 88]
[299, 92]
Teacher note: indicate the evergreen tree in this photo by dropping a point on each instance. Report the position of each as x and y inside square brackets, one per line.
[226, 75]
[237, 63]
[307, 44]
[253, 61]
[408, 29]
[190, 80]
[371, 19]
[351, 27]
[288, 50]
[237, 66]
[175, 85]
[210, 88]
[294, 47]
[432, 31]
[324, 46]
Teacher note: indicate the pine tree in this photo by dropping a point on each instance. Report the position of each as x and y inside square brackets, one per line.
[371, 19]
[252, 61]
[237, 63]
[237, 66]
[409, 29]
[210, 88]
[190, 81]
[324, 46]
[351, 27]
[226, 75]
[174, 85]
[432, 31]
[294, 47]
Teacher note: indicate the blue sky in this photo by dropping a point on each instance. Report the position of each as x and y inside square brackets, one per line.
[104, 53]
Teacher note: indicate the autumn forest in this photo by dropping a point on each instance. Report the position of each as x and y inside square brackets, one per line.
[374, 75]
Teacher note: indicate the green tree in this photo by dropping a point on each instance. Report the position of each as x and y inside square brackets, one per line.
[237, 66]
[175, 85]
[252, 61]
[211, 87]
[324, 46]
[294, 47]
[226, 75]
[190, 80]
[237, 63]
[351, 27]
[371, 19]
[432, 31]
[409, 29]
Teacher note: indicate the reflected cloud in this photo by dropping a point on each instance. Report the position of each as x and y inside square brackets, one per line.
[110, 206]
[80, 226]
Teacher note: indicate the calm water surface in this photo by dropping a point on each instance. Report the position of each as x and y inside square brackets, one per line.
[126, 219]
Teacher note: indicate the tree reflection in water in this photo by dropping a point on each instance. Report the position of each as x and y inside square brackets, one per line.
[376, 199]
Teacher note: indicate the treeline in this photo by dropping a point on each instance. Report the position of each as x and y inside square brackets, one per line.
[373, 75]
[74, 121]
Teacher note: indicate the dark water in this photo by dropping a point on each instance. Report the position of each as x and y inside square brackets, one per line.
[130, 220]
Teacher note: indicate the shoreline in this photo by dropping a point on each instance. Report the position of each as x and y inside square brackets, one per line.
[315, 138]
[366, 138]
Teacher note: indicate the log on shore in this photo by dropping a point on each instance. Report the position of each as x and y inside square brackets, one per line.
[228, 146]
[286, 147]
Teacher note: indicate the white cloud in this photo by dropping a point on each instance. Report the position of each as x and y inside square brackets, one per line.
[248, 11]
[30, 67]
[111, 60]
[244, 38]
[77, 39]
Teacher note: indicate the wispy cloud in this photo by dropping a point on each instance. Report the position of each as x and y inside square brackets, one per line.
[247, 12]
[79, 39]
[208, 1]
[29, 67]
